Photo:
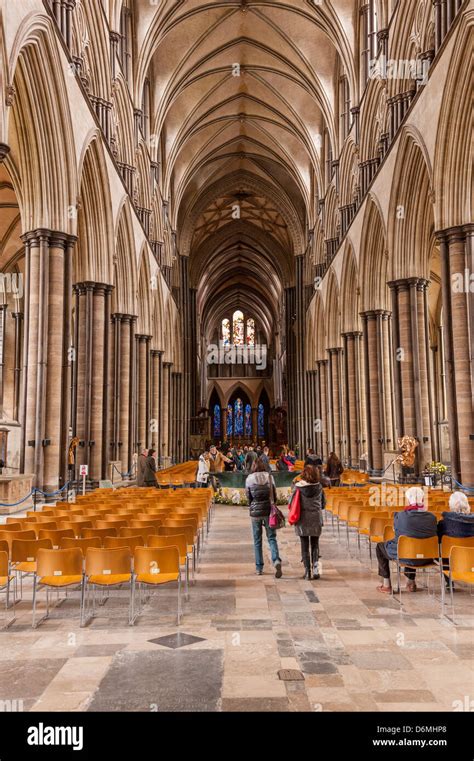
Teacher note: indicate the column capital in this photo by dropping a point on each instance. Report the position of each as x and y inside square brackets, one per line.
[53, 237]
[156, 353]
[372, 314]
[142, 338]
[352, 334]
[4, 151]
[335, 350]
[167, 364]
[453, 234]
[321, 362]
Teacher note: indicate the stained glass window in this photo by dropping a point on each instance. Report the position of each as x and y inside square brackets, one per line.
[261, 421]
[248, 420]
[217, 421]
[226, 332]
[250, 332]
[229, 421]
[239, 418]
[238, 328]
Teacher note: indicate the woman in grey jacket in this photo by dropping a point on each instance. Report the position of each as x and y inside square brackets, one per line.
[309, 526]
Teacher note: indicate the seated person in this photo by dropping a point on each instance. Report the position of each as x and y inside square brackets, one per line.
[458, 522]
[414, 522]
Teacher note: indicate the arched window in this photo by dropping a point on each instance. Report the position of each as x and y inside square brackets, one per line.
[216, 427]
[125, 47]
[250, 332]
[368, 37]
[261, 421]
[230, 426]
[146, 109]
[238, 328]
[226, 332]
[248, 420]
[327, 152]
[239, 418]
[344, 108]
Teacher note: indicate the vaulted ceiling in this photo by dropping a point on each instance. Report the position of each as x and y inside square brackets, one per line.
[243, 90]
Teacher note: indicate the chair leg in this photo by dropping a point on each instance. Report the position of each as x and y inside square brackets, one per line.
[451, 592]
[186, 579]
[131, 615]
[83, 589]
[34, 602]
[179, 598]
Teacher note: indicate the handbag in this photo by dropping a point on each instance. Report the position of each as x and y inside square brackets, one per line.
[277, 519]
[295, 508]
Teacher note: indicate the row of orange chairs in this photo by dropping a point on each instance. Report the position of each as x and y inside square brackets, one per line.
[376, 525]
[124, 519]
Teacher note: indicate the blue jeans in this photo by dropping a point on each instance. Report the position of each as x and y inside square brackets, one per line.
[257, 526]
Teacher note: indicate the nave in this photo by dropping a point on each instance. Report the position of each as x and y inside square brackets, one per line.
[350, 649]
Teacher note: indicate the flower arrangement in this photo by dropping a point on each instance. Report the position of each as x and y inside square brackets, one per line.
[436, 467]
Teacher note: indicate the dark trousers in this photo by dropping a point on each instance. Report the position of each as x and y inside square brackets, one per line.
[384, 564]
[307, 542]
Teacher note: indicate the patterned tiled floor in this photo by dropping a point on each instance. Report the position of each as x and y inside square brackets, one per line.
[353, 647]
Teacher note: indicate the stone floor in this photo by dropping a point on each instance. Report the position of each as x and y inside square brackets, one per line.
[344, 645]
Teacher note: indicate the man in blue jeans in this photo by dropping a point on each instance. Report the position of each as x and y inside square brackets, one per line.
[261, 492]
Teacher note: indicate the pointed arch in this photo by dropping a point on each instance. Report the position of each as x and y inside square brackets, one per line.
[40, 129]
[144, 324]
[373, 266]
[350, 291]
[125, 276]
[411, 218]
[333, 312]
[95, 245]
[453, 176]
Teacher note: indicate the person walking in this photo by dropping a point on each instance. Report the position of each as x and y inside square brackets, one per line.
[261, 493]
[141, 464]
[334, 469]
[310, 524]
[250, 458]
[202, 476]
[265, 457]
[149, 476]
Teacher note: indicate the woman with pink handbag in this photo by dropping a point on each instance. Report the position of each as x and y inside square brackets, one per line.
[306, 505]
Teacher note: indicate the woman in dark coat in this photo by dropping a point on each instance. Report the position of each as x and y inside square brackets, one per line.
[309, 526]
[149, 477]
[334, 469]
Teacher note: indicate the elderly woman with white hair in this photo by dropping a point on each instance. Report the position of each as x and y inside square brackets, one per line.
[414, 521]
[458, 522]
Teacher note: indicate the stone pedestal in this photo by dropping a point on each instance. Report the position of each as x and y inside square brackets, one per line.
[12, 489]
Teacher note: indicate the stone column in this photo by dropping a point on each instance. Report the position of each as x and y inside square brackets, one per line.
[254, 423]
[98, 380]
[412, 398]
[323, 396]
[154, 430]
[351, 376]
[114, 380]
[457, 268]
[374, 390]
[124, 385]
[167, 396]
[335, 397]
[142, 395]
[18, 317]
[46, 336]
